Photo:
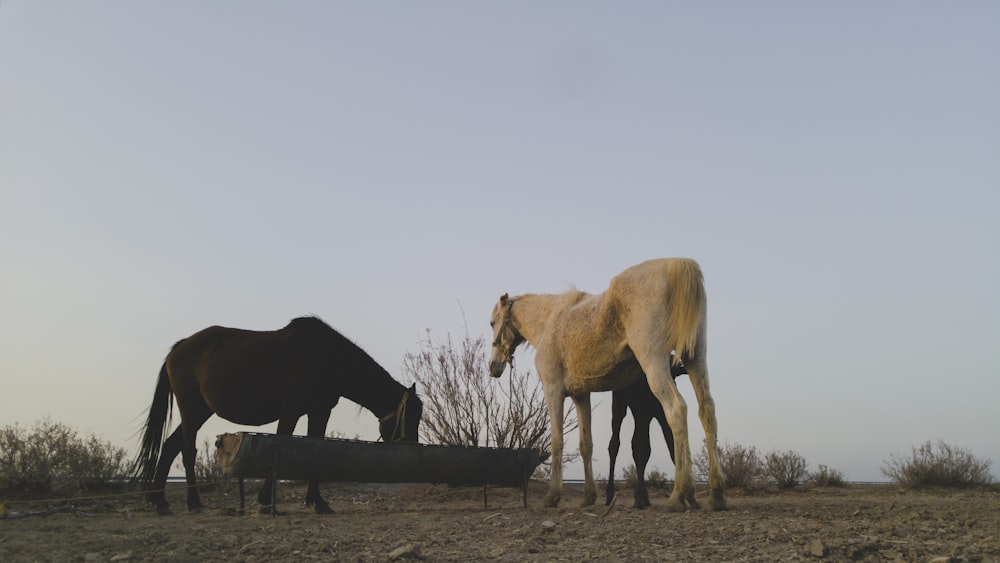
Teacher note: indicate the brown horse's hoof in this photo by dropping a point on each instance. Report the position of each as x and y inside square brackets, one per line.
[323, 509]
[164, 511]
[641, 500]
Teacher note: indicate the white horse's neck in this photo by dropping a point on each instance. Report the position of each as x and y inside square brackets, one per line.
[531, 312]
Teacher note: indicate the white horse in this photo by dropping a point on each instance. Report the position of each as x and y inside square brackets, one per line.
[586, 343]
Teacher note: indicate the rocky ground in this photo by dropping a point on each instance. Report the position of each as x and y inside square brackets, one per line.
[436, 523]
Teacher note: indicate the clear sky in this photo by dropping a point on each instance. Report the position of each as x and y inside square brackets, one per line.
[395, 166]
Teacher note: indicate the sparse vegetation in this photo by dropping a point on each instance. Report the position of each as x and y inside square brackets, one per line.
[786, 470]
[464, 406]
[206, 468]
[50, 458]
[655, 479]
[945, 465]
[742, 465]
[826, 477]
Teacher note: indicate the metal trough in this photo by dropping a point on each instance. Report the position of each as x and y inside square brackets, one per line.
[251, 454]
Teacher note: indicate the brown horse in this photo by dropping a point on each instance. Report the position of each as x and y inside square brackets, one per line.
[254, 378]
[645, 407]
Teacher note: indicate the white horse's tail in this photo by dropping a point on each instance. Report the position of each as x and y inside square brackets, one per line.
[685, 305]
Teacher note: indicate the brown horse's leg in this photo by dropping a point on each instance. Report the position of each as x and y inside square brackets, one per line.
[189, 453]
[618, 410]
[641, 451]
[265, 497]
[317, 429]
[168, 453]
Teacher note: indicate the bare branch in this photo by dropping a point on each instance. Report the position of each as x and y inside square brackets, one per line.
[464, 406]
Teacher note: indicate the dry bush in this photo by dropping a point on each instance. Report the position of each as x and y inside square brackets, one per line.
[51, 458]
[945, 466]
[655, 479]
[741, 465]
[827, 477]
[207, 471]
[464, 406]
[99, 464]
[786, 469]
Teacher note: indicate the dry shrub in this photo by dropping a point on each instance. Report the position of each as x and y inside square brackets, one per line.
[207, 471]
[786, 470]
[464, 406]
[50, 458]
[655, 479]
[741, 465]
[827, 477]
[946, 465]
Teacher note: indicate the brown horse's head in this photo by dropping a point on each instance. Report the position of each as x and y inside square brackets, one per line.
[403, 424]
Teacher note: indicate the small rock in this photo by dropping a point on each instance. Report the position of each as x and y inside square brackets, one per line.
[548, 525]
[817, 549]
[122, 557]
[408, 550]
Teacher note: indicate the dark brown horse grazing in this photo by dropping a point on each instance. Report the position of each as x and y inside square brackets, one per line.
[645, 407]
[254, 378]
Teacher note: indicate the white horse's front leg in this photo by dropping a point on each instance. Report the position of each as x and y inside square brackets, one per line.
[586, 448]
[554, 401]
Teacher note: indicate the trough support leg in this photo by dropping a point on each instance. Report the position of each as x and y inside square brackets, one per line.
[274, 485]
[242, 498]
[526, 475]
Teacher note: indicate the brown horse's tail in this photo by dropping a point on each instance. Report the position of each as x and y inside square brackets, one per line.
[685, 306]
[160, 412]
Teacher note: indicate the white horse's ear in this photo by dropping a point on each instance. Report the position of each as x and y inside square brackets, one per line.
[504, 298]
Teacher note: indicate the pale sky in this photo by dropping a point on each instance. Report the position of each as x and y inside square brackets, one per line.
[394, 167]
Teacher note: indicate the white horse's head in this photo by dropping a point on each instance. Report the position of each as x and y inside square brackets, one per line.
[505, 336]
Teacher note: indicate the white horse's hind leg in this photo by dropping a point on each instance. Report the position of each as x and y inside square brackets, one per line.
[582, 403]
[698, 374]
[675, 409]
[645, 338]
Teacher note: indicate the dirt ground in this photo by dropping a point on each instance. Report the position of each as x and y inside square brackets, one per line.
[437, 523]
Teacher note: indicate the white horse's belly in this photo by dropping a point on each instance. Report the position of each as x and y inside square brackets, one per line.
[618, 376]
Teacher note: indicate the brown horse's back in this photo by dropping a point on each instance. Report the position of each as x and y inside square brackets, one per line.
[248, 377]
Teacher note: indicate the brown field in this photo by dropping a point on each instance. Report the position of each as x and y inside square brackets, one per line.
[435, 523]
